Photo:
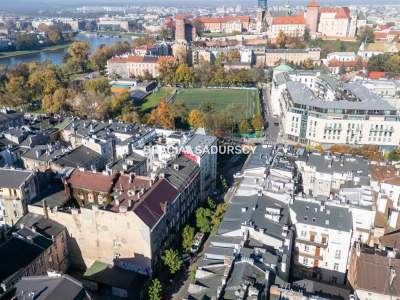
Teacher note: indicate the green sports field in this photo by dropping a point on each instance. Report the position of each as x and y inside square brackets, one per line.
[221, 98]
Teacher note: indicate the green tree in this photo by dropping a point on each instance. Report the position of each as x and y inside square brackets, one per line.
[187, 238]
[16, 88]
[195, 119]
[78, 57]
[184, 75]
[224, 183]
[203, 216]
[211, 203]
[155, 290]
[56, 102]
[257, 122]
[244, 127]
[97, 86]
[217, 217]
[366, 35]
[307, 35]
[172, 260]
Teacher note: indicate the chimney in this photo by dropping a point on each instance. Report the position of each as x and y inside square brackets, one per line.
[46, 213]
[392, 275]
[131, 177]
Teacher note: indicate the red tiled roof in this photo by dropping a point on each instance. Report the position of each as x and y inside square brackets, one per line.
[380, 35]
[292, 20]
[243, 19]
[334, 63]
[128, 188]
[313, 3]
[380, 173]
[340, 12]
[152, 207]
[91, 181]
[376, 75]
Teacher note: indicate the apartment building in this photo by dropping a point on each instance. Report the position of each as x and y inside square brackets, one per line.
[34, 246]
[339, 22]
[227, 24]
[17, 189]
[292, 26]
[130, 66]
[202, 150]
[323, 240]
[325, 173]
[320, 109]
[373, 273]
[273, 57]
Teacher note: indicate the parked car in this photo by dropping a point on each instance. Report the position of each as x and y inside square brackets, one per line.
[198, 241]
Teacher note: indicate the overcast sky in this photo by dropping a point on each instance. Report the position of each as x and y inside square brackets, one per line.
[23, 5]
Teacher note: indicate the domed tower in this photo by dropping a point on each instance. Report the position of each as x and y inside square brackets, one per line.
[312, 16]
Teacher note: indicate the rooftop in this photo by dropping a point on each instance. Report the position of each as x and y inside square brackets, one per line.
[322, 215]
[49, 287]
[13, 178]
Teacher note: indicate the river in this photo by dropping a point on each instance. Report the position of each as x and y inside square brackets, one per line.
[56, 56]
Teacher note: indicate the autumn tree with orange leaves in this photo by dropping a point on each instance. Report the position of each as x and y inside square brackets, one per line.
[161, 116]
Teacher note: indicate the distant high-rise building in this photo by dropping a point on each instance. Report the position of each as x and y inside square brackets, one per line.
[263, 4]
[261, 13]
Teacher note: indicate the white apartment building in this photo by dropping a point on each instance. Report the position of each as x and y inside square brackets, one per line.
[337, 21]
[202, 150]
[326, 173]
[325, 111]
[323, 240]
[341, 56]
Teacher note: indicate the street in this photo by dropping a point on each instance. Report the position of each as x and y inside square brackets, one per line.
[272, 127]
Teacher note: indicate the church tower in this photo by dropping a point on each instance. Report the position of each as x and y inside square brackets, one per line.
[261, 13]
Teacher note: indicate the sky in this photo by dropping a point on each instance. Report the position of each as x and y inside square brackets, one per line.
[16, 5]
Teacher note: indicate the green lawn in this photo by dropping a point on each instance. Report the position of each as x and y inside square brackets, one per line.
[154, 99]
[25, 52]
[221, 98]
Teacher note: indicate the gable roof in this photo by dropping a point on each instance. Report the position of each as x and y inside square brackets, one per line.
[372, 273]
[340, 12]
[50, 287]
[12, 178]
[151, 208]
[290, 20]
[91, 181]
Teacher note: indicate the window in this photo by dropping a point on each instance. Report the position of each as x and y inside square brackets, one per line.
[304, 233]
[337, 254]
[305, 260]
[306, 248]
[336, 266]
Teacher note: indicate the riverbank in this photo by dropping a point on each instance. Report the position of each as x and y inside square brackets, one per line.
[114, 33]
[9, 54]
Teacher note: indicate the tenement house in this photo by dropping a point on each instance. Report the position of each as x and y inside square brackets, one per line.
[17, 189]
[323, 240]
[34, 246]
[148, 208]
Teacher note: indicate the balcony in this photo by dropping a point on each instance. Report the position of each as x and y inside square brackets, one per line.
[311, 243]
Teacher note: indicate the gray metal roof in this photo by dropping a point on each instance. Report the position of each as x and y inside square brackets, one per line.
[12, 178]
[333, 217]
[258, 158]
[302, 95]
[50, 287]
[335, 163]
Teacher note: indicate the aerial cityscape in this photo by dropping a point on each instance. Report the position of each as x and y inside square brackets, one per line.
[199, 150]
